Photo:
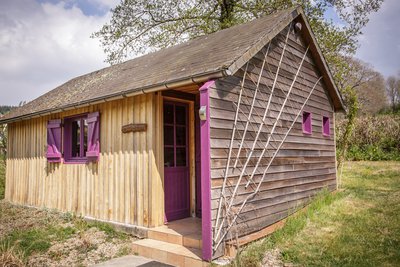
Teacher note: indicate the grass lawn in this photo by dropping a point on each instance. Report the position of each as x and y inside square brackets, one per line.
[357, 226]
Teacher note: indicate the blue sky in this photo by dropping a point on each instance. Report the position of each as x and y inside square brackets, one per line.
[88, 7]
[44, 43]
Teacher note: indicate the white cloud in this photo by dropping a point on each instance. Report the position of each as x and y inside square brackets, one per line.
[44, 45]
[107, 3]
[380, 43]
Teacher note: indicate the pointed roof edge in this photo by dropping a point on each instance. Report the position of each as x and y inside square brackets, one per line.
[297, 14]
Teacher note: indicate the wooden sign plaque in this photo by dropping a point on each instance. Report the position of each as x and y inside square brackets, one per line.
[134, 127]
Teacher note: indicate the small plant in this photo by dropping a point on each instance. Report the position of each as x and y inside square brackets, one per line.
[123, 251]
[87, 244]
[10, 256]
[68, 216]
[108, 230]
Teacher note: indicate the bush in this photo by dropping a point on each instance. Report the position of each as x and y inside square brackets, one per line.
[373, 138]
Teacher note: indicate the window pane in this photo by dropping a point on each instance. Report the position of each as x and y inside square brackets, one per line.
[181, 157]
[169, 157]
[168, 135]
[85, 137]
[326, 126]
[180, 113]
[307, 128]
[180, 135]
[168, 113]
[76, 139]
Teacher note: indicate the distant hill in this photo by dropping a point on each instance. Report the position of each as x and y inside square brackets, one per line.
[5, 109]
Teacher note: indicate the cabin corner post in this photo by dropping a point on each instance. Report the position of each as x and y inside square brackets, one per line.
[205, 172]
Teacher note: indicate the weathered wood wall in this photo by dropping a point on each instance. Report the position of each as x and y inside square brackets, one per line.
[304, 165]
[124, 186]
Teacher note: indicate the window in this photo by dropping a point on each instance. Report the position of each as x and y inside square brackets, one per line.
[326, 128]
[307, 125]
[76, 139]
[175, 135]
[80, 139]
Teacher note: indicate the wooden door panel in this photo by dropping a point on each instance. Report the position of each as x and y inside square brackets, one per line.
[176, 164]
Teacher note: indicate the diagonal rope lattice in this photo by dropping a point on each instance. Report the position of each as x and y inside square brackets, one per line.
[257, 137]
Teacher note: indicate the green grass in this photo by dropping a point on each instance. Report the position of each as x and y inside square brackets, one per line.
[37, 239]
[357, 226]
[109, 230]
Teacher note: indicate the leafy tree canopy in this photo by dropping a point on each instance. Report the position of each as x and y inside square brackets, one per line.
[5, 109]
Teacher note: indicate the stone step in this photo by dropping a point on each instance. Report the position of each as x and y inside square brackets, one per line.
[190, 240]
[174, 254]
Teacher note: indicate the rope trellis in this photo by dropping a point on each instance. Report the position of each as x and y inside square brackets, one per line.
[265, 113]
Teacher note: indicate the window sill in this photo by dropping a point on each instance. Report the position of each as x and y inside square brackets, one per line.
[76, 161]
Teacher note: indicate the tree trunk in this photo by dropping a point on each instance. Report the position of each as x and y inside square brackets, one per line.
[227, 13]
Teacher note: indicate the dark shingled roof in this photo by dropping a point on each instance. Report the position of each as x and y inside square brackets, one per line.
[209, 54]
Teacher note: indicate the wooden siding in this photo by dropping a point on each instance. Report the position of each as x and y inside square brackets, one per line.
[304, 165]
[124, 186]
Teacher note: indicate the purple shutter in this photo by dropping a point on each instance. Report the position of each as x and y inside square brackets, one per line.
[93, 148]
[53, 153]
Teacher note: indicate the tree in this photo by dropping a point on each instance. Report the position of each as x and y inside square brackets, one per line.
[3, 140]
[393, 91]
[360, 86]
[3, 131]
[368, 84]
[372, 96]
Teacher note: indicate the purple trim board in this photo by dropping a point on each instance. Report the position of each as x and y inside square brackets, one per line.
[206, 231]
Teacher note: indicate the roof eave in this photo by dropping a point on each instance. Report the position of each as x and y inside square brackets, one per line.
[321, 62]
[195, 79]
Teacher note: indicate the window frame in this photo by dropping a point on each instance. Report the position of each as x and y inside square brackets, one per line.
[306, 123]
[324, 133]
[68, 158]
[175, 126]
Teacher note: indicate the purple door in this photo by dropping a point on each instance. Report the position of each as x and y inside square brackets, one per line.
[176, 162]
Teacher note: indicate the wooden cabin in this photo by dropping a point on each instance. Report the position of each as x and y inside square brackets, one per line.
[201, 145]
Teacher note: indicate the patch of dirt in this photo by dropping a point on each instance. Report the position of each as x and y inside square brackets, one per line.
[19, 217]
[273, 258]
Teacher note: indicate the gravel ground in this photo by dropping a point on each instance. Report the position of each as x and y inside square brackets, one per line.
[85, 244]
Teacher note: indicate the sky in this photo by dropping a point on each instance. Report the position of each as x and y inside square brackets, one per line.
[44, 43]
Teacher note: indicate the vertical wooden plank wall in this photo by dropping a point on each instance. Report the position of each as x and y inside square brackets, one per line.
[124, 186]
[304, 165]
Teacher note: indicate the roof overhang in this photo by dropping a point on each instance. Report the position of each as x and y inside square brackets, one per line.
[297, 15]
[198, 79]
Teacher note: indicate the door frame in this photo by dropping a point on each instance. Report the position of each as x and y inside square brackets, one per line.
[191, 149]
